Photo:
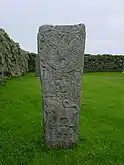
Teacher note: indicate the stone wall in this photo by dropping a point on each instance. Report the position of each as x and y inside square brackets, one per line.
[97, 63]
[104, 63]
[13, 60]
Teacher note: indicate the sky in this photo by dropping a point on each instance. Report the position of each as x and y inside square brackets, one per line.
[104, 21]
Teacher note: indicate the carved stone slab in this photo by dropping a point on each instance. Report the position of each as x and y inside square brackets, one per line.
[61, 53]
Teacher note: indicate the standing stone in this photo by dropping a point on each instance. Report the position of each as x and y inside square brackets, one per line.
[61, 53]
[37, 64]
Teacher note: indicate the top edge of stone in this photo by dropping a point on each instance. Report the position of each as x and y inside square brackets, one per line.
[50, 26]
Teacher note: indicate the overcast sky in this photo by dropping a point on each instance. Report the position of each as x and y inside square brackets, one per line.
[104, 20]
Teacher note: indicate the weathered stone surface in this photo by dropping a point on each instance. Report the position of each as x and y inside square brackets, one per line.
[37, 64]
[61, 53]
[31, 62]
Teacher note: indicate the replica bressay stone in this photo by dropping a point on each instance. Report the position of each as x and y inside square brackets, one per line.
[61, 53]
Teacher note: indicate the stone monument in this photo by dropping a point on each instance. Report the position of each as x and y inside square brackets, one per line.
[37, 64]
[61, 53]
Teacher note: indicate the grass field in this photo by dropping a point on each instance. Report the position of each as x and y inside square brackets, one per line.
[101, 140]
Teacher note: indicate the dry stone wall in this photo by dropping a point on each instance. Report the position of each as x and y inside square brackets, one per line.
[13, 60]
[102, 63]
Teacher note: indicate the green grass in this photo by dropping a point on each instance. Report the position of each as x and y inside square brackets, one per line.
[101, 140]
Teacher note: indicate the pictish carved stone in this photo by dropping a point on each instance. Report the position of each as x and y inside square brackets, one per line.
[61, 55]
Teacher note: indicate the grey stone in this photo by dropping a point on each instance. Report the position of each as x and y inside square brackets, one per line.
[61, 53]
[37, 61]
[37, 64]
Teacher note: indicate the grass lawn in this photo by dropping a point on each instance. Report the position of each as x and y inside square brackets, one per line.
[101, 140]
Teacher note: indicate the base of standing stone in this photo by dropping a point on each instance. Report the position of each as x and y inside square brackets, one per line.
[61, 53]
[61, 145]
